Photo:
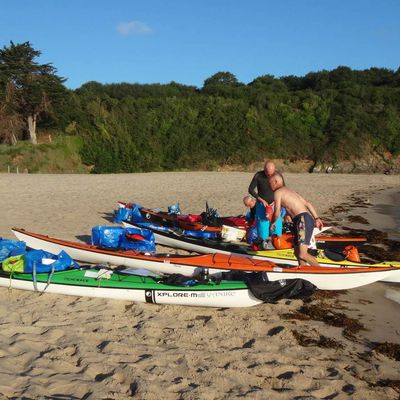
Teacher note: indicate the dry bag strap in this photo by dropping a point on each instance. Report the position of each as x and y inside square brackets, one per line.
[50, 276]
[34, 277]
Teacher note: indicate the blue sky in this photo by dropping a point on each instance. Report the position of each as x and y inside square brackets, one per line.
[187, 41]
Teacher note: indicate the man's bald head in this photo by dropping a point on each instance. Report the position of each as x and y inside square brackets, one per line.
[276, 181]
[269, 168]
[249, 201]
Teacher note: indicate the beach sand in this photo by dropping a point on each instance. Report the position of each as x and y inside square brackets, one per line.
[64, 347]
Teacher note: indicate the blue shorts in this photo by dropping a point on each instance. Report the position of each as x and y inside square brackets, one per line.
[303, 228]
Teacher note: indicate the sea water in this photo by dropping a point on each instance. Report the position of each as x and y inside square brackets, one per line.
[388, 208]
[382, 214]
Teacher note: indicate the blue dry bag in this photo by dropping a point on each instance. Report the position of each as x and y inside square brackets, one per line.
[9, 248]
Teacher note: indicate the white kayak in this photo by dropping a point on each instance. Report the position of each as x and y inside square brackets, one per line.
[173, 239]
[322, 278]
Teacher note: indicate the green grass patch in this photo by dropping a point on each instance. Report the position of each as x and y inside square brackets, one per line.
[60, 156]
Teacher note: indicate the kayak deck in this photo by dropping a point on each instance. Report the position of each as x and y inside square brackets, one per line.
[279, 256]
[92, 277]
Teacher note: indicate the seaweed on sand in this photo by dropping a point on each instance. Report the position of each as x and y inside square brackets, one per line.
[391, 250]
[392, 383]
[357, 219]
[374, 236]
[323, 312]
[391, 350]
[322, 341]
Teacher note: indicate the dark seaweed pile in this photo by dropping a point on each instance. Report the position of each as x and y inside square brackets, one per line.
[379, 247]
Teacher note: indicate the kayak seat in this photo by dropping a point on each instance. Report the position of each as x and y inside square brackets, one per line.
[334, 256]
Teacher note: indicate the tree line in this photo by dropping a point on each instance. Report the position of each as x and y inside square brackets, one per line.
[325, 116]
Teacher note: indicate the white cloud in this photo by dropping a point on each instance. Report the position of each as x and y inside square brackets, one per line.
[133, 27]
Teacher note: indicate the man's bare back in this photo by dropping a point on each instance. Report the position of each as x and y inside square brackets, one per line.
[291, 201]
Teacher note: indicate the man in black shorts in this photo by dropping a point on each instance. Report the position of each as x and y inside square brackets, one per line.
[304, 217]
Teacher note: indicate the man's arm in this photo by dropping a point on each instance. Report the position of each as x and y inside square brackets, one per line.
[318, 221]
[252, 186]
[278, 205]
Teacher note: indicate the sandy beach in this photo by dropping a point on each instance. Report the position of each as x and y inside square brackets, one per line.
[64, 347]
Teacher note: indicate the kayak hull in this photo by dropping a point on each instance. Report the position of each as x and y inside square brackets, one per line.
[323, 278]
[276, 256]
[133, 288]
[163, 263]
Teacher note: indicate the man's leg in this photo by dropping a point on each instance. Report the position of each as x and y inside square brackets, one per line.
[262, 222]
[305, 229]
[299, 255]
[304, 257]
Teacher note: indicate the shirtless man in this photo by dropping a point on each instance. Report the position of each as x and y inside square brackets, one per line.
[303, 214]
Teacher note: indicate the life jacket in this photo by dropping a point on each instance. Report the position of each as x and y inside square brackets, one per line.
[282, 242]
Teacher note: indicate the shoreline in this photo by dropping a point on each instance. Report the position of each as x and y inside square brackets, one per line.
[97, 348]
[378, 212]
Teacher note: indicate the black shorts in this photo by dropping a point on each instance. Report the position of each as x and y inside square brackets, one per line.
[303, 228]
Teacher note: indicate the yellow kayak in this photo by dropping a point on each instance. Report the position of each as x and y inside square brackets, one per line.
[287, 257]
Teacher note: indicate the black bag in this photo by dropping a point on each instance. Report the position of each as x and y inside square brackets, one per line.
[177, 280]
[272, 291]
[181, 280]
[210, 217]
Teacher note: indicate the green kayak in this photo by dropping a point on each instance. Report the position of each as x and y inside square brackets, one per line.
[123, 285]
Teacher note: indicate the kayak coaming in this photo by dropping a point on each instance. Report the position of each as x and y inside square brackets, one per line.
[323, 278]
[286, 256]
[134, 288]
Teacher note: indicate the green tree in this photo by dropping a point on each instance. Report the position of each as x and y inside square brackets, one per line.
[221, 78]
[325, 116]
[223, 84]
[31, 88]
